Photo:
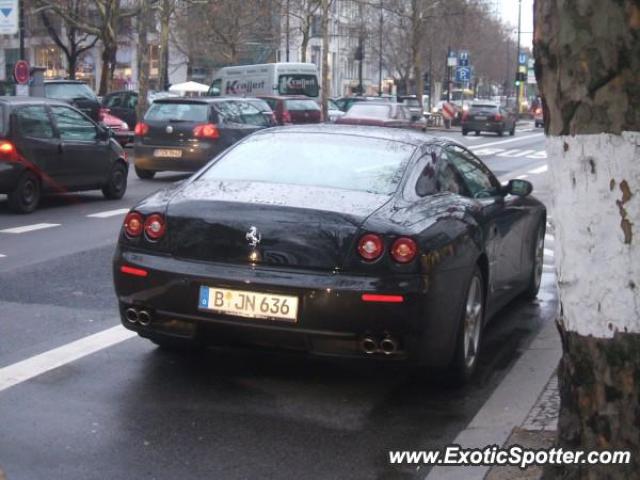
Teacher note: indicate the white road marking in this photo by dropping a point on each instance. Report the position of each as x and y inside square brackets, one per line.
[550, 237]
[548, 253]
[516, 153]
[30, 228]
[2, 256]
[109, 213]
[32, 367]
[500, 142]
[538, 170]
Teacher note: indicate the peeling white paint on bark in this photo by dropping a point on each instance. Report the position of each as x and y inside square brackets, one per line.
[600, 295]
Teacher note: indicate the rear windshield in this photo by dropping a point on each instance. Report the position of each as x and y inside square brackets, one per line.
[361, 109]
[178, 112]
[478, 106]
[260, 105]
[297, 84]
[293, 105]
[69, 91]
[322, 160]
[411, 102]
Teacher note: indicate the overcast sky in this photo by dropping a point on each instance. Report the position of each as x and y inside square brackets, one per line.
[508, 10]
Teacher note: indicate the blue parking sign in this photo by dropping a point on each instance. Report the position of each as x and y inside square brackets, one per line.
[463, 74]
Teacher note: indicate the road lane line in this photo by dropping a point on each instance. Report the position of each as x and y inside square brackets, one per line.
[44, 362]
[2, 256]
[109, 213]
[550, 237]
[507, 141]
[29, 228]
[538, 170]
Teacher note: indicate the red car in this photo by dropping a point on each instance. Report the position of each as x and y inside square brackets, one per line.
[120, 128]
[291, 109]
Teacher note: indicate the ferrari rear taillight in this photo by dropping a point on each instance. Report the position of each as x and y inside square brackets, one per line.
[370, 246]
[133, 224]
[404, 250]
[207, 130]
[154, 226]
[141, 129]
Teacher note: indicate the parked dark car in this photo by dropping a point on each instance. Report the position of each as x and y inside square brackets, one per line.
[77, 93]
[123, 105]
[264, 107]
[348, 241]
[183, 134]
[48, 146]
[290, 110]
[413, 104]
[381, 114]
[488, 117]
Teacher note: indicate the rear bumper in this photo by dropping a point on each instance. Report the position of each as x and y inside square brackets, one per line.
[192, 158]
[484, 126]
[332, 317]
[9, 174]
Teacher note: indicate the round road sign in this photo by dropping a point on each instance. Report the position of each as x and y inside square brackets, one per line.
[21, 72]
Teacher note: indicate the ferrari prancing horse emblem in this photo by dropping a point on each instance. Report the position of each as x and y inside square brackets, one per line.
[253, 236]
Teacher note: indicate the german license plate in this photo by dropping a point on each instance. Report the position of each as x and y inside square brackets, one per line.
[249, 304]
[480, 117]
[167, 152]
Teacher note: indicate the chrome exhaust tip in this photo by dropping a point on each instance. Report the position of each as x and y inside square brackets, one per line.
[131, 314]
[388, 346]
[368, 345]
[144, 318]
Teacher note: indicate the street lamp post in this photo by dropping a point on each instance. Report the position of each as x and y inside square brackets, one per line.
[380, 55]
[518, 86]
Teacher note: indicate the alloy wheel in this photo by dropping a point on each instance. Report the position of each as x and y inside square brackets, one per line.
[472, 322]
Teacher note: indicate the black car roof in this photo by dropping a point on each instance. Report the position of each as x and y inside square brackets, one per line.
[207, 100]
[384, 133]
[31, 101]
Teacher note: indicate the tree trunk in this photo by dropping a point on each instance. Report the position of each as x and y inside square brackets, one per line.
[325, 58]
[72, 63]
[164, 45]
[588, 69]
[416, 47]
[105, 72]
[305, 44]
[143, 59]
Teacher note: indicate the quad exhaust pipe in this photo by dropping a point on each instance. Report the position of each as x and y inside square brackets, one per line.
[387, 346]
[143, 317]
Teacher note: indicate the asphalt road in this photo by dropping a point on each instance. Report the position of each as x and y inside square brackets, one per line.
[131, 411]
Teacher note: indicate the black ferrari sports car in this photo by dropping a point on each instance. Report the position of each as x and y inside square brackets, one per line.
[334, 240]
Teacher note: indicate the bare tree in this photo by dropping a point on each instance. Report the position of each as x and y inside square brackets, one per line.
[69, 39]
[166, 12]
[101, 20]
[143, 26]
[588, 68]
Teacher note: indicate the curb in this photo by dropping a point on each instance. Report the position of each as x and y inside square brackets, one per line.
[510, 404]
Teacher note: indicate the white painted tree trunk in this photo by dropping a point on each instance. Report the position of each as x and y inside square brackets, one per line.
[595, 180]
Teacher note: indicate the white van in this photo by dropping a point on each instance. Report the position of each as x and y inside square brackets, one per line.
[266, 79]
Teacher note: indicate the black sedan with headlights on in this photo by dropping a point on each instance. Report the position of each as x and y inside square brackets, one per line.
[347, 241]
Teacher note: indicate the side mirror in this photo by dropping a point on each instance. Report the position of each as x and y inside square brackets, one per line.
[104, 132]
[518, 187]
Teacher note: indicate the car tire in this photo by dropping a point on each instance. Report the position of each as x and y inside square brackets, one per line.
[477, 132]
[501, 133]
[116, 183]
[512, 132]
[537, 264]
[144, 174]
[26, 196]
[465, 132]
[469, 339]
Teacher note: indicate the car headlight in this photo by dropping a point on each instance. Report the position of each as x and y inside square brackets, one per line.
[434, 110]
[124, 126]
[465, 108]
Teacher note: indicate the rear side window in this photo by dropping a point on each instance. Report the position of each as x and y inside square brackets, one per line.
[251, 115]
[69, 91]
[33, 121]
[293, 105]
[178, 112]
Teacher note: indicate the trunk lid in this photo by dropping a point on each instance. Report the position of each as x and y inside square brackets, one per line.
[303, 111]
[297, 226]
